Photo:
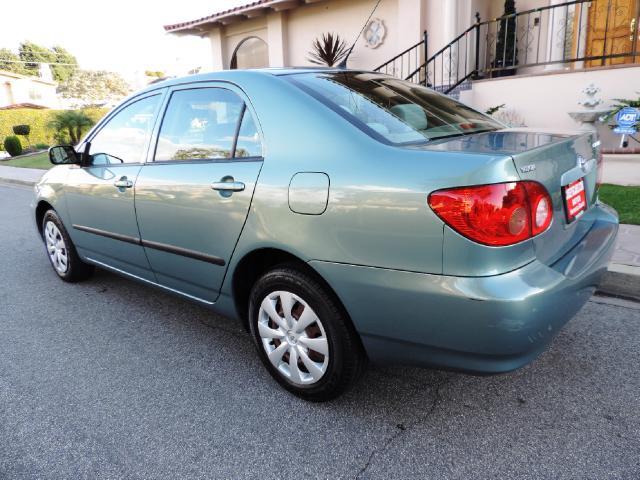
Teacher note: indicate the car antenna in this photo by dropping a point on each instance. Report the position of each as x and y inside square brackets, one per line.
[343, 63]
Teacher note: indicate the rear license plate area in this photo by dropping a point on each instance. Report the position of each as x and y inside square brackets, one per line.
[575, 199]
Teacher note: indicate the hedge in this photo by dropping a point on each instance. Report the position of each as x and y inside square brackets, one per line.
[38, 120]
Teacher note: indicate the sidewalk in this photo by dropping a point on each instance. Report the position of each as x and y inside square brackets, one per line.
[22, 176]
[622, 279]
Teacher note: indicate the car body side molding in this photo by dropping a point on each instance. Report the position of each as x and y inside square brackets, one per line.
[184, 252]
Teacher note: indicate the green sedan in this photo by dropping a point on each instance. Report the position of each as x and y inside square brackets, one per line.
[343, 216]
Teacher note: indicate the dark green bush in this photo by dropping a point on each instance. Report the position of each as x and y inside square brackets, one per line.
[21, 130]
[12, 145]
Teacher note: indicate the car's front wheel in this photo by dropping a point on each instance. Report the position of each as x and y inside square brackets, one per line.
[61, 251]
[303, 337]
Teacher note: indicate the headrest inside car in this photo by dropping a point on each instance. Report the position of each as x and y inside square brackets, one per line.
[411, 114]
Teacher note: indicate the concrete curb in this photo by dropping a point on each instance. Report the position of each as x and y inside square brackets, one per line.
[16, 181]
[621, 281]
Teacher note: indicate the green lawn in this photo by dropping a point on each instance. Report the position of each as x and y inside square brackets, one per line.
[40, 160]
[626, 200]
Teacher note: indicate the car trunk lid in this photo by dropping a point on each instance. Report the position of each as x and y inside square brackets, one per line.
[555, 161]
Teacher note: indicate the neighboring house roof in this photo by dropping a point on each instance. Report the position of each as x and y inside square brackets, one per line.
[231, 15]
[4, 73]
[23, 105]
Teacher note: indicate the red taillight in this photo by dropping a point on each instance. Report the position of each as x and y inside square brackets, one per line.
[499, 214]
[541, 208]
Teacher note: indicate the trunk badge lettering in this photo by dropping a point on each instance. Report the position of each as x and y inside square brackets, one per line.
[528, 168]
[582, 163]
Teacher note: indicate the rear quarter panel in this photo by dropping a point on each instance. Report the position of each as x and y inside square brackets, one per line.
[377, 213]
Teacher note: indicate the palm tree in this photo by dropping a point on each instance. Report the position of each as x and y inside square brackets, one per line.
[328, 50]
[73, 122]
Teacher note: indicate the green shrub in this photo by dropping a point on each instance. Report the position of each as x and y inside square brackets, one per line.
[38, 121]
[21, 129]
[12, 145]
[41, 146]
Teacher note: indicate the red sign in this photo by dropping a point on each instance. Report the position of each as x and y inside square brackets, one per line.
[575, 199]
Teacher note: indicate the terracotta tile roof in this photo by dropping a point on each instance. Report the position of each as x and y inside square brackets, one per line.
[23, 105]
[216, 16]
[191, 26]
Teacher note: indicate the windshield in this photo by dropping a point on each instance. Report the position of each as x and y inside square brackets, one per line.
[393, 110]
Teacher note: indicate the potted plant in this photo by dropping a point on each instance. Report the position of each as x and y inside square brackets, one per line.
[328, 50]
[506, 54]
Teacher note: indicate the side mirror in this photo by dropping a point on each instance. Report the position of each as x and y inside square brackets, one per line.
[63, 155]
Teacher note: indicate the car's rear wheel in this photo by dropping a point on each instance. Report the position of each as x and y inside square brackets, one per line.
[302, 335]
[61, 251]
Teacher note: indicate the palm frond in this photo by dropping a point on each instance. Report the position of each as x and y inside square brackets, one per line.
[328, 50]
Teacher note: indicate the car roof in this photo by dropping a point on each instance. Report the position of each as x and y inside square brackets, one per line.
[231, 75]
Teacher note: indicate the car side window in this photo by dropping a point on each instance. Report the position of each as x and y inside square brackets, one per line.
[125, 136]
[199, 124]
[248, 144]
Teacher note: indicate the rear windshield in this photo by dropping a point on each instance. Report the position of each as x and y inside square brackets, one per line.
[392, 110]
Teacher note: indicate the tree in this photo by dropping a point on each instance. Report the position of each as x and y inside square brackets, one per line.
[94, 87]
[10, 62]
[71, 122]
[31, 56]
[506, 48]
[328, 50]
[34, 54]
[62, 73]
[154, 73]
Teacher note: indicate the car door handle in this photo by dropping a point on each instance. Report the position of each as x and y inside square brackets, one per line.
[124, 182]
[228, 186]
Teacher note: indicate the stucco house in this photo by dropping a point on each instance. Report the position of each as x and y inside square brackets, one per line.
[538, 62]
[27, 91]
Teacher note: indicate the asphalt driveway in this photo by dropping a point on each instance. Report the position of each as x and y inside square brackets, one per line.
[112, 379]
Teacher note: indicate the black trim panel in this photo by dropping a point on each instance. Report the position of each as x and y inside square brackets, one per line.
[184, 252]
[104, 233]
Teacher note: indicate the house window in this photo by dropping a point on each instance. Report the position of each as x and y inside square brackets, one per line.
[34, 94]
[250, 53]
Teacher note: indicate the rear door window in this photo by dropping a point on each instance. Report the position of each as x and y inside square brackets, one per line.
[199, 124]
[248, 144]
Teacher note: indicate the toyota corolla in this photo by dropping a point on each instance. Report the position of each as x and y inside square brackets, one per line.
[342, 216]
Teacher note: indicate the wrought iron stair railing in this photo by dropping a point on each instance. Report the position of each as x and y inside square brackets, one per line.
[575, 34]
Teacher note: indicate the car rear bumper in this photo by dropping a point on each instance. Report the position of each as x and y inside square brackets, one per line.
[478, 324]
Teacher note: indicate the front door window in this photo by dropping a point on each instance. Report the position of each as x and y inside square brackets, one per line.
[125, 138]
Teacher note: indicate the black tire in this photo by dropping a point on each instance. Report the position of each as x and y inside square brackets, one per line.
[346, 358]
[76, 269]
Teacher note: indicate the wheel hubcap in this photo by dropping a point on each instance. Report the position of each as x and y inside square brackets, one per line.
[56, 247]
[293, 337]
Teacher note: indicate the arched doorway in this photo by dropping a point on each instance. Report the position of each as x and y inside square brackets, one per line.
[252, 52]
